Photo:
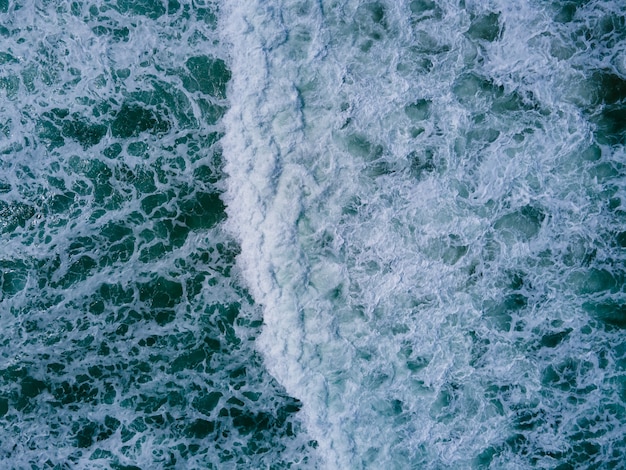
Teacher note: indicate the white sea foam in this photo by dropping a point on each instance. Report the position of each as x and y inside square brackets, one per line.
[414, 185]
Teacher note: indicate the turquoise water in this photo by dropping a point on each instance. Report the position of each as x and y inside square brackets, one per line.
[127, 333]
[334, 235]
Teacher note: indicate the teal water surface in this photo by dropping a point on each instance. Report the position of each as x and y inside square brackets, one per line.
[126, 335]
[312, 235]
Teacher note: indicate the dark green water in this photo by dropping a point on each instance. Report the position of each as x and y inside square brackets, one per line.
[126, 337]
[285, 234]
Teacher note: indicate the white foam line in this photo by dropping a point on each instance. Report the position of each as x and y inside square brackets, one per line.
[263, 194]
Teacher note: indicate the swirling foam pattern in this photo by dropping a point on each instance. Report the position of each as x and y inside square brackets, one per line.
[430, 197]
[277, 234]
[126, 337]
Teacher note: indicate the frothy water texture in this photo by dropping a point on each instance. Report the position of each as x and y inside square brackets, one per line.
[291, 234]
[126, 335]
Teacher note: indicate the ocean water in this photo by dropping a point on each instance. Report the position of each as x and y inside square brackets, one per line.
[312, 235]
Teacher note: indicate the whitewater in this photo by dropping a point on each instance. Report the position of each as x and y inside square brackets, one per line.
[284, 234]
[429, 201]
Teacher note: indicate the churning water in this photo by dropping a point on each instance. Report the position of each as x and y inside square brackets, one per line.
[295, 234]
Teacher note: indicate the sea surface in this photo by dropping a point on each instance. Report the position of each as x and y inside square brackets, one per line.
[284, 234]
